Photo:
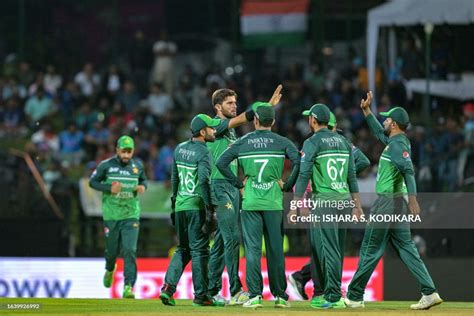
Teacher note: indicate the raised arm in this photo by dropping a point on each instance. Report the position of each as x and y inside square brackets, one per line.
[248, 115]
[374, 125]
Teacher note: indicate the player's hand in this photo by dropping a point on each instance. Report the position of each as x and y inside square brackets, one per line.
[304, 211]
[289, 216]
[242, 190]
[358, 212]
[413, 205]
[276, 97]
[173, 203]
[173, 217]
[116, 187]
[365, 104]
[140, 189]
[210, 223]
[281, 184]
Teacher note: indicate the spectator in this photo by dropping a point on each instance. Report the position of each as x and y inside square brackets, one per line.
[38, 106]
[451, 144]
[12, 119]
[163, 68]
[52, 80]
[13, 88]
[86, 117]
[112, 81]
[467, 152]
[163, 162]
[70, 144]
[87, 80]
[120, 119]
[128, 96]
[46, 141]
[25, 74]
[159, 102]
[68, 99]
[97, 137]
[39, 82]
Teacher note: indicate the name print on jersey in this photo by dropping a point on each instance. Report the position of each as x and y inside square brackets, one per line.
[261, 142]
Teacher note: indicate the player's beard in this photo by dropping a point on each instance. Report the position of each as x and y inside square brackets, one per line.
[209, 137]
[229, 114]
[124, 161]
[386, 129]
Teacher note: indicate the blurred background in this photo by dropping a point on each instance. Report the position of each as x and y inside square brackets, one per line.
[75, 75]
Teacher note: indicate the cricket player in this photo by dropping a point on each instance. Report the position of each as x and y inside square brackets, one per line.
[226, 245]
[121, 179]
[299, 278]
[193, 211]
[327, 160]
[261, 155]
[395, 178]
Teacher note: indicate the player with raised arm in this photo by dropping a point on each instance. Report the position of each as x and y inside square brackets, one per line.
[226, 247]
[395, 178]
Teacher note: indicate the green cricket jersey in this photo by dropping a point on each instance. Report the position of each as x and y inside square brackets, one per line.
[225, 137]
[327, 160]
[395, 171]
[261, 155]
[190, 176]
[125, 204]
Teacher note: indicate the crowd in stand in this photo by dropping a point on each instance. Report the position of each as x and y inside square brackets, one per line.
[74, 119]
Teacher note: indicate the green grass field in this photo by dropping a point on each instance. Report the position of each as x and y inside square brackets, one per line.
[71, 307]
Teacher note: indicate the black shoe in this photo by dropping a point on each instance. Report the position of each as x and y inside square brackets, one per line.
[203, 302]
[298, 286]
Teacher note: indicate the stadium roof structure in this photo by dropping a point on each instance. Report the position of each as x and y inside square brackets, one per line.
[412, 12]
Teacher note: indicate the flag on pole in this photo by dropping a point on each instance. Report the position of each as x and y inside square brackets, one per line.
[278, 23]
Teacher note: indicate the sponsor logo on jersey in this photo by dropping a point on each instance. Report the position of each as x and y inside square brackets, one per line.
[113, 169]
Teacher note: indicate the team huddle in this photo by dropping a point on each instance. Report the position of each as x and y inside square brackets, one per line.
[210, 198]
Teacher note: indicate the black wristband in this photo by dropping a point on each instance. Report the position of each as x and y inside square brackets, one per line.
[249, 115]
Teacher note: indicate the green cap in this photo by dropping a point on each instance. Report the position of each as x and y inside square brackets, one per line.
[398, 114]
[332, 120]
[319, 111]
[125, 142]
[201, 121]
[264, 111]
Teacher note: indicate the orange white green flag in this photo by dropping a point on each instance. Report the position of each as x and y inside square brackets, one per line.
[278, 23]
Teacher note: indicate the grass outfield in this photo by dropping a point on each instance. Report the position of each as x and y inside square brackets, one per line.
[71, 307]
